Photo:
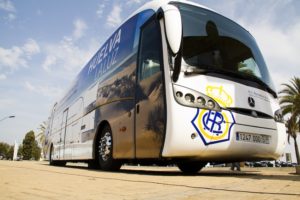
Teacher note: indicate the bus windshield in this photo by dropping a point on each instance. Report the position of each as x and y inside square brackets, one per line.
[214, 43]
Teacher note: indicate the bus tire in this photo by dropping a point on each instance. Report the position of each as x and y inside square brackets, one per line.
[105, 151]
[93, 164]
[191, 167]
[51, 161]
[55, 162]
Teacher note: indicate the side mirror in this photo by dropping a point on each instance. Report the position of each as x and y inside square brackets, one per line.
[173, 27]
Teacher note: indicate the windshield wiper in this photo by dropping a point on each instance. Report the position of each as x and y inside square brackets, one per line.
[193, 70]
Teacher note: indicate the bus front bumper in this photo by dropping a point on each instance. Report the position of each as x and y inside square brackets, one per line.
[227, 140]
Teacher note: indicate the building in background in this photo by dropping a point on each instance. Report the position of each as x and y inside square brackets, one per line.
[289, 154]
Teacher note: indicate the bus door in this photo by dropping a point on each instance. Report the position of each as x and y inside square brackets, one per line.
[63, 134]
[150, 104]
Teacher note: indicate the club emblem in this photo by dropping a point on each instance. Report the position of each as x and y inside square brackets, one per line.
[212, 126]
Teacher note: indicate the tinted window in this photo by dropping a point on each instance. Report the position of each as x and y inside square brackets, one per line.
[211, 41]
[149, 56]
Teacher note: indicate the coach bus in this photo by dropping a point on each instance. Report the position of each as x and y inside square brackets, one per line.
[175, 83]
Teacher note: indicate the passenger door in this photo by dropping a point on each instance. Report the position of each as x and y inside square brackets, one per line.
[150, 103]
[63, 134]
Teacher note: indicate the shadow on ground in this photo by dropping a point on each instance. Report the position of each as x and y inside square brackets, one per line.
[218, 172]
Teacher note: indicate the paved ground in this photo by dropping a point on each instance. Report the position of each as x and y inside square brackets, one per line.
[38, 180]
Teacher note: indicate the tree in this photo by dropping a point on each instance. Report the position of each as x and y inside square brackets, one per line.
[41, 136]
[290, 100]
[292, 127]
[10, 153]
[31, 149]
[4, 149]
[290, 104]
[36, 151]
[20, 151]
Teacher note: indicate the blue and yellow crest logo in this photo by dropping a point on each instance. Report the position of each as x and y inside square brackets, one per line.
[212, 126]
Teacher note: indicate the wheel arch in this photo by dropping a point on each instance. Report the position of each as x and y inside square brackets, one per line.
[100, 127]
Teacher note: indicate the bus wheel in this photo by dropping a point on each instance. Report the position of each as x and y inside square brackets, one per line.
[105, 151]
[191, 167]
[51, 161]
[55, 162]
[93, 164]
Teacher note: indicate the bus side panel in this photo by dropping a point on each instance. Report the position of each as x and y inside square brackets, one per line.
[83, 142]
[55, 135]
[108, 78]
[120, 116]
[73, 130]
[115, 99]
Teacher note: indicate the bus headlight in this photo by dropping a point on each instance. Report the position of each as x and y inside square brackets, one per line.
[278, 116]
[191, 98]
[201, 101]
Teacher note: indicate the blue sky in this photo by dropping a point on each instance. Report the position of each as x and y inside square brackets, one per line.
[44, 44]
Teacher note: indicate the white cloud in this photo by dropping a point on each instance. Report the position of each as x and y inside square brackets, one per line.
[18, 56]
[7, 5]
[79, 29]
[114, 18]
[2, 77]
[11, 17]
[280, 49]
[6, 103]
[12, 58]
[130, 2]
[65, 55]
[29, 87]
[50, 61]
[31, 47]
[100, 10]
[46, 91]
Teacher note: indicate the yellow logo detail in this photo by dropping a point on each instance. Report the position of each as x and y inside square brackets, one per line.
[219, 95]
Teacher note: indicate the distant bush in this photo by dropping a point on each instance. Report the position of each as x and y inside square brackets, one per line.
[6, 151]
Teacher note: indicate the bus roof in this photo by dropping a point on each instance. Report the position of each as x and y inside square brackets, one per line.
[156, 4]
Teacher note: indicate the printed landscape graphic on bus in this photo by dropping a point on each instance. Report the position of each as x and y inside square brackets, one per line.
[212, 126]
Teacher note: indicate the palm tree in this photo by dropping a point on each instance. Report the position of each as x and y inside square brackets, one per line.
[41, 136]
[292, 128]
[290, 101]
[290, 104]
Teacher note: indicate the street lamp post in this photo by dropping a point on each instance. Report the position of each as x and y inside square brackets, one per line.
[11, 116]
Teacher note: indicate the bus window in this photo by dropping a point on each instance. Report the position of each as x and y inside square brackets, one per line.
[149, 54]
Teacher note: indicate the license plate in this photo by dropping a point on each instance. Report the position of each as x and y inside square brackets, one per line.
[254, 138]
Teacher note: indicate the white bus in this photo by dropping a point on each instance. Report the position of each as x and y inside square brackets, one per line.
[175, 83]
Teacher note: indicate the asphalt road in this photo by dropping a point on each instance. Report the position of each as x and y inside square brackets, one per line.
[37, 180]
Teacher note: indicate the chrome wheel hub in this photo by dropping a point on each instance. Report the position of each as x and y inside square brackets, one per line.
[105, 146]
